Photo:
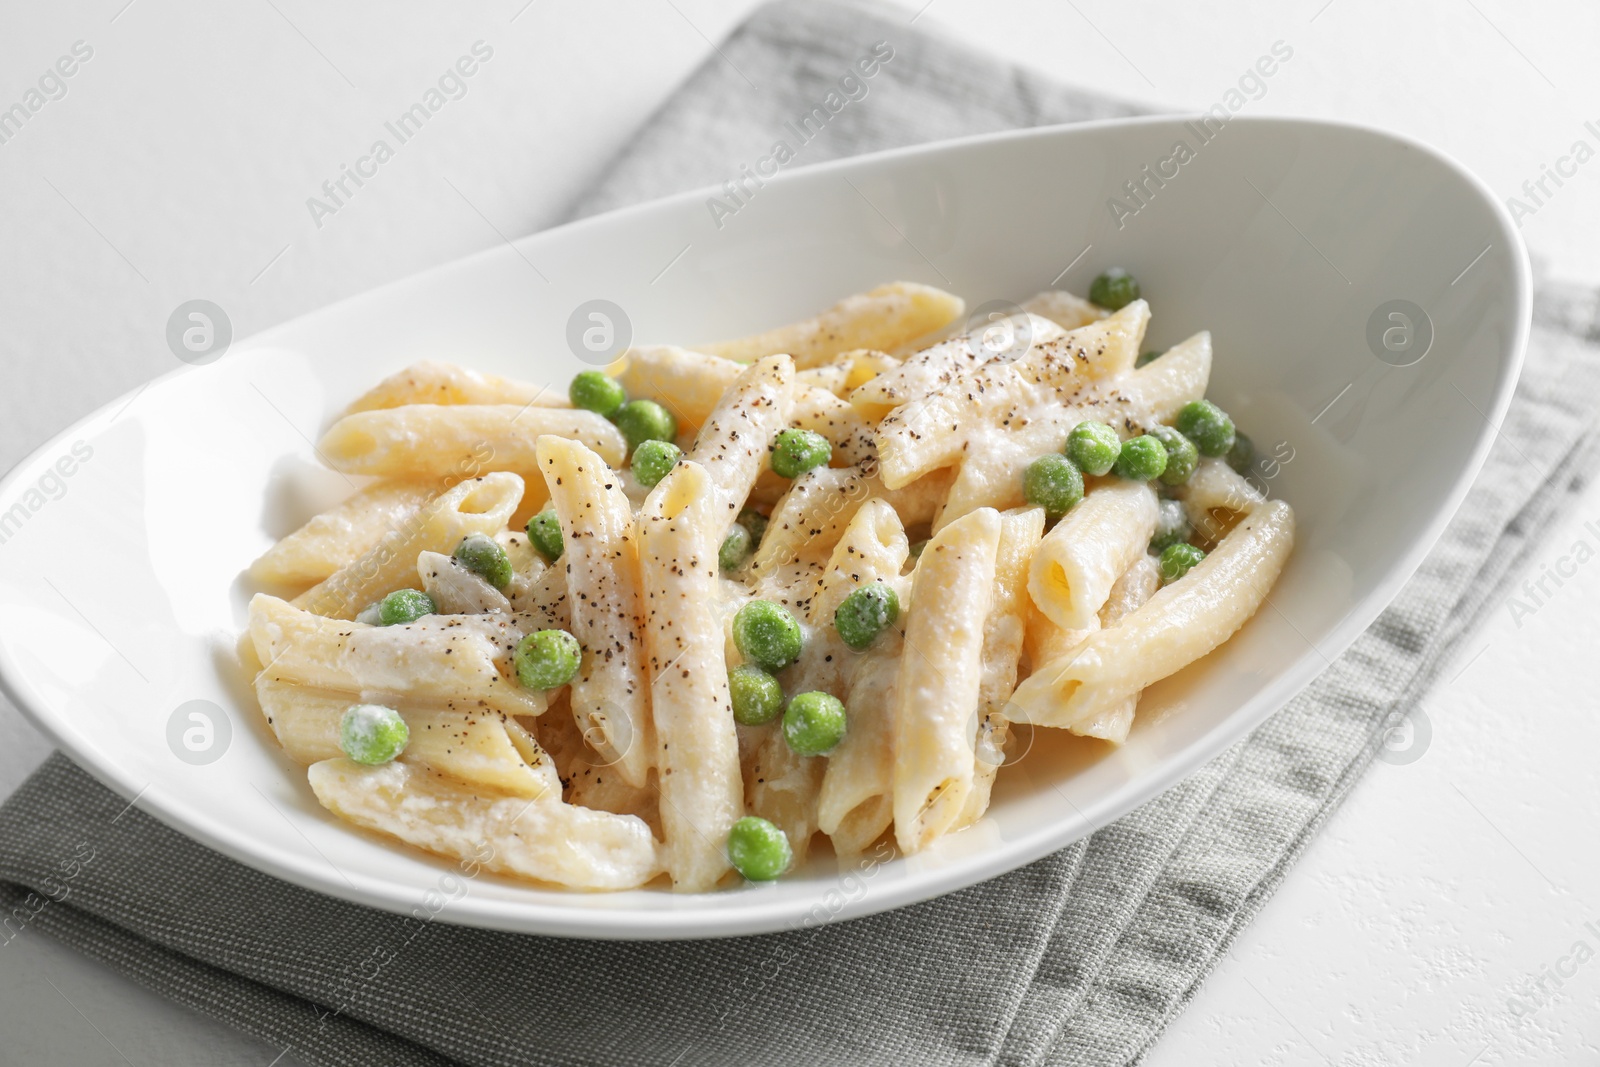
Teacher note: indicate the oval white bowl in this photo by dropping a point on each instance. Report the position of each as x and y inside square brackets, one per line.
[1282, 237]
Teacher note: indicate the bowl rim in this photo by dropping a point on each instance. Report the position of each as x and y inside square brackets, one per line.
[754, 916]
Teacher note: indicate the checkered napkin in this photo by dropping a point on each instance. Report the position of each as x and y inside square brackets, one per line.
[1080, 958]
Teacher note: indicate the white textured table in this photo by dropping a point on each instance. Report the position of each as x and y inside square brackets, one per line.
[1437, 918]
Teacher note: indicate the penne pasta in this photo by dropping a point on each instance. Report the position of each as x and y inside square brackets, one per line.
[689, 384]
[697, 749]
[601, 786]
[1089, 549]
[434, 382]
[852, 436]
[547, 841]
[884, 319]
[610, 698]
[1155, 392]
[473, 745]
[457, 660]
[436, 440]
[809, 520]
[587, 703]
[941, 673]
[873, 549]
[735, 443]
[935, 431]
[584, 777]
[481, 505]
[938, 365]
[1136, 586]
[782, 786]
[991, 474]
[340, 535]
[1003, 632]
[1175, 627]
[853, 803]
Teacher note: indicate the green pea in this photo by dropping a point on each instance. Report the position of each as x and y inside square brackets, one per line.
[1114, 289]
[767, 635]
[372, 733]
[1176, 561]
[653, 460]
[813, 723]
[796, 451]
[917, 549]
[1093, 446]
[735, 547]
[404, 606]
[758, 850]
[645, 420]
[1054, 482]
[1182, 456]
[1172, 525]
[483, 556]
[1147, 357]
[1141, 459]
[546, 659]
[594, 391]
[755, 522]
[544, 533]
[866, 613]
[757, 696]
[1208, 426]
[1242, 456]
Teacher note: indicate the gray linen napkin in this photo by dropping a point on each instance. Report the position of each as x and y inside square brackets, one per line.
[1080, 958]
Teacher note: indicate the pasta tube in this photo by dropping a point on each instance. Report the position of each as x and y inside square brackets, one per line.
[481, 505]
[547, 840]
[338, 536]
[935, 367]
[885, 318]
[689, 384]
[1089, 549]
[475, 746]
[697, 749]
[935, 431]
[434, 382]
[436, 440]
[460, 661]
[1003, 631]
[610, 692]
[941, 674]
[1175, 627]
[1135, 587]
[810, 518]
[736, 440]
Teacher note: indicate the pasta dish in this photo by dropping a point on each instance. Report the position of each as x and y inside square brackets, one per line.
[669, 624]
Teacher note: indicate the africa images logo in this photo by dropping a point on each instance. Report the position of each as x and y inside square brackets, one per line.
[1141, 189]
[452, 85]
[741, 189]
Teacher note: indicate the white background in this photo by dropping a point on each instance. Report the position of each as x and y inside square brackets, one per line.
[178, 164]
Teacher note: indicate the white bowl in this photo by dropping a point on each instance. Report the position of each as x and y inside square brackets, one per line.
[120, 590]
